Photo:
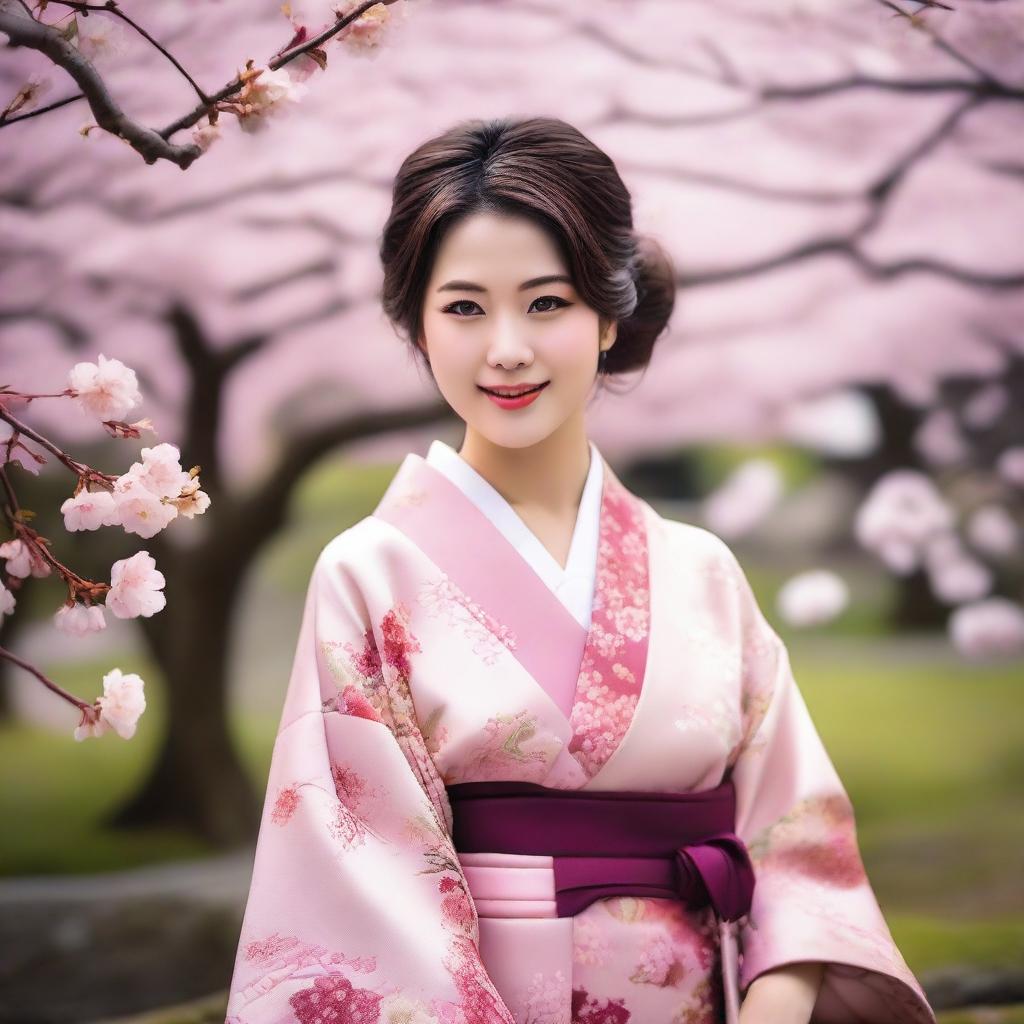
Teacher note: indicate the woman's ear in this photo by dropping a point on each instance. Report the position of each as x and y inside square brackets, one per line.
[610, 333]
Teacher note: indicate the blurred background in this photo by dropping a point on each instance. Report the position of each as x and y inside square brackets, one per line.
[840, 396]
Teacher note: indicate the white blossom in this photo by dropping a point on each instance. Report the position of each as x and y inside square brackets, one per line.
[7, 601]
[939, 440]
[89, 510]
[993, 530]
[22, 561]
[271, 93]
[991, 628]
[135, 587]
[1010, 465]
[106, 389]
[160, 470]
[744, 499]
[119, 708]
[139, 510]
[812, 597]
[78, 619]
[953, 574]
[900, 513]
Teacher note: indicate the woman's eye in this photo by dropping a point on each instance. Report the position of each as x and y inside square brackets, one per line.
[454, 306]
[462, 302]
[551, 298]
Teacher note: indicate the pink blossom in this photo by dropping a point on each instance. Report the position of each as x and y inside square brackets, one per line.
[119, 708]
[89, 510]
[122, 702]
[192, 501]
[107, 389]
[138, 508]
[91, 724]
[900, 513]
[939, 439]
[992, 529]
[1010, 465]
[372, 30]
[271, 93]
[988, 629]
[7, 601]
[812, 597]
[205, 135]
[135, 585]
[953, 574]
[985, 406]
[160, 471]
[79, 619]
[746, 497]
[22, 561]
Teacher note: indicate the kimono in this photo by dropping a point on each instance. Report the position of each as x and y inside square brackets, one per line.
[441, 643]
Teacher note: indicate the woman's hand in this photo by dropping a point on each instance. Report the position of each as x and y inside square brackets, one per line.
[783, 995]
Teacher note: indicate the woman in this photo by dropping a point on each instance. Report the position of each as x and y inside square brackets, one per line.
[542, 758]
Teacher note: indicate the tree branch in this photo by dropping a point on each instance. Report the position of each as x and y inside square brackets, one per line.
[24, 30]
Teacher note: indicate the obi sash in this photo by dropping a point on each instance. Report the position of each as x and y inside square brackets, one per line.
[614, 843]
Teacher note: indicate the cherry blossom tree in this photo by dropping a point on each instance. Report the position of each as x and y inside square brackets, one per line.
[838, 184]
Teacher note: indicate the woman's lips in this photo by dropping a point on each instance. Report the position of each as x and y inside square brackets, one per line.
[514, 401]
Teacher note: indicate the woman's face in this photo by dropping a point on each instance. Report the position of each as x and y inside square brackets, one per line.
[488, 322]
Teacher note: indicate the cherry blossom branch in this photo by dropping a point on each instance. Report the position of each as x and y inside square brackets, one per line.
[110, 7]
[24, 30]
[244, 96]
[47, 682]
[144, 500]
[5, 119]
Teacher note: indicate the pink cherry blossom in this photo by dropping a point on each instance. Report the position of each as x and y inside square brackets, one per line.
[107, 389]
[749, 493]
[22, 561]
[812, 597]
[1010, 465]
[79, 619]
[271, 93]
[985, 406]
[89, 510]
[7, 601]
[91, 724]
[160, 471]
[988, 629]
[139, 510]
[205, 135]
[135, 587]
[939, 439]
[119, 708]
[953, 574]
[192, 501]
[122, 702]
[900, 513]
[993, 530]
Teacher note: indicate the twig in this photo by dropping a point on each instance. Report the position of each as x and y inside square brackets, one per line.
[59, 690]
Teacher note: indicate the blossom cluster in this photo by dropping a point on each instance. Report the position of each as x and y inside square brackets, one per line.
[153, 492]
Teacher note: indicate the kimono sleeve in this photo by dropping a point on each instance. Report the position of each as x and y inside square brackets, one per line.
[358, 909]
[812, 900]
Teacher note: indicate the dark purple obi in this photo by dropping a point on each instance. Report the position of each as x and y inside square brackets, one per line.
[605, 843]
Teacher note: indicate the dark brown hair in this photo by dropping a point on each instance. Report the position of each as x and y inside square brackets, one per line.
[544, 169]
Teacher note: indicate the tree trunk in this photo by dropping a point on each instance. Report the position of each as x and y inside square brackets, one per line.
[197, 781]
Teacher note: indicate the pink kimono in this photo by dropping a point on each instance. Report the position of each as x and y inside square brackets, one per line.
[437, 647]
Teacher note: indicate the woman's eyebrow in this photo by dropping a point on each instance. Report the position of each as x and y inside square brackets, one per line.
[534, 282]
